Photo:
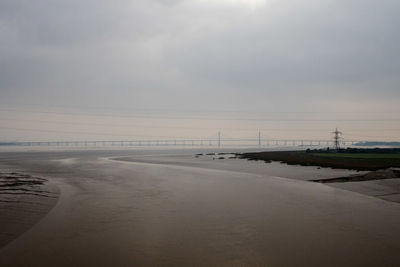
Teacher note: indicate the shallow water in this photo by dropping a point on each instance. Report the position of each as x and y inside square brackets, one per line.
[170, 208]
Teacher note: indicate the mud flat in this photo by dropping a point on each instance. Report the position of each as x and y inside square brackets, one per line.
[375, 175]
[24, 200]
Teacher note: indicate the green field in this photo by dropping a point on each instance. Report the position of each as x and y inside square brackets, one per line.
[373, 159]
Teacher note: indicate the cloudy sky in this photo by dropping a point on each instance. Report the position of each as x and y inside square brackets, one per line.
[97, 69]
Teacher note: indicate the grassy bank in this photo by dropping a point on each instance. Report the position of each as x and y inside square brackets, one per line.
[365, 159]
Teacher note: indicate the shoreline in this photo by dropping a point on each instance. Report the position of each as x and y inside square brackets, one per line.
[375, 175]
[381, 180]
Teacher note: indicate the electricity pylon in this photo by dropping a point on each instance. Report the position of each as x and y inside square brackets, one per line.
[337, 135]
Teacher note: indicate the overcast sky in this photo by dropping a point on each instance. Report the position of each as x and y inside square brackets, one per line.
[190, 68]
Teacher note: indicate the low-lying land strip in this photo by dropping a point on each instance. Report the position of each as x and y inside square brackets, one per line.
[356, 159]
[381, 181]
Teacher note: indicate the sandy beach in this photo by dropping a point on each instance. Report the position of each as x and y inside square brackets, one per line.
[119, 208]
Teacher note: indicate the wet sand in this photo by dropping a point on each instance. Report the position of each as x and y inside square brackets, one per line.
[175, 210]
[24, 200]
[387, 189]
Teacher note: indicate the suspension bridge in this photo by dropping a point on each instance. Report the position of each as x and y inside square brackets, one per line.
[207, 142]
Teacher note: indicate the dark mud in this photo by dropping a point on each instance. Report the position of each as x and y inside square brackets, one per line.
[376, 175]
[24, 200]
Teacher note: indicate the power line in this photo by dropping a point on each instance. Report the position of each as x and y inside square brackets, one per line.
[163, 110]
[180, 127]
[198, 118]
[88, 133]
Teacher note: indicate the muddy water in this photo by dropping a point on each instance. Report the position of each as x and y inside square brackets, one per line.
[179, 210]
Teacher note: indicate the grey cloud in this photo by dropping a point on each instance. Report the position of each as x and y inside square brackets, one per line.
[339, 43]
[174, 52]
